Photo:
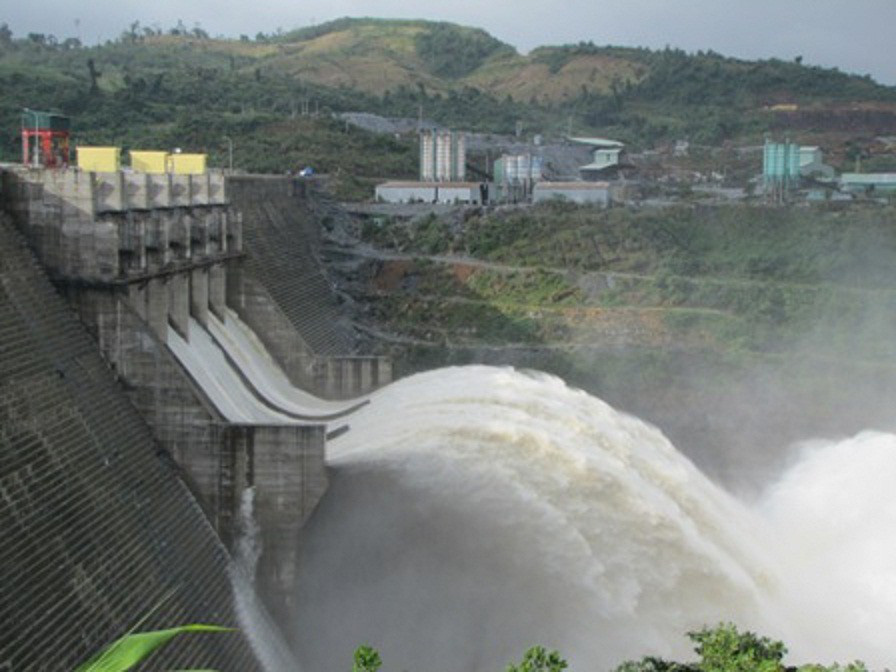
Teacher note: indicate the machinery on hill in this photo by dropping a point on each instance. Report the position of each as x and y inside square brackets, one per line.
[45, 139]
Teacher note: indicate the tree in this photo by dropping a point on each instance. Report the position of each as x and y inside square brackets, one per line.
[538, 659]
[94, 76]
[724, 649]
[367, 659]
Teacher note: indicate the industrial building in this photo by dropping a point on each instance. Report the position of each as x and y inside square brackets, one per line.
[608, 158]
[812, 163]
[443, 156]
[473, 193]
[108, 160]
[869, 183]
[784, 164]
[577, 192]
[45, 139]
[515, 175]
[443, 169]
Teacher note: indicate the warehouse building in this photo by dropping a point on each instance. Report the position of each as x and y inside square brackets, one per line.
[577, 192]
[608, 158]
[473, 193]
[869, 183]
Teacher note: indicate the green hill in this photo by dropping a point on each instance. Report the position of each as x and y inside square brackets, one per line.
[183, 88]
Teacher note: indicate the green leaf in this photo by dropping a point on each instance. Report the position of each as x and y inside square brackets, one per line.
[367, 659]
[131, 649]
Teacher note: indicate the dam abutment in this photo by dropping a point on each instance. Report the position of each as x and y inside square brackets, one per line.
[146, 259]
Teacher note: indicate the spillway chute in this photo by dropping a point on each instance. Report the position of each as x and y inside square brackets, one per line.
[241, 379]
[262, 373]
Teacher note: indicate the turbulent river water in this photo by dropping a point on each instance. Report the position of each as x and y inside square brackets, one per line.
[475, 511]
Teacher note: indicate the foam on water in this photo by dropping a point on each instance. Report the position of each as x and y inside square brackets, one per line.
[475, 511]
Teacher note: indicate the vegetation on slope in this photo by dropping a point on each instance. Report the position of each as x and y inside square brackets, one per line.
[752, 278]
[156, 87]
[743, 327]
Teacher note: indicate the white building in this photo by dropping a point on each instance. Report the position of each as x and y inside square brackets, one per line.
[474, 193]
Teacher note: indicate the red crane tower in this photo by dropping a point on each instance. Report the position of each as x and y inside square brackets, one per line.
[45, 139]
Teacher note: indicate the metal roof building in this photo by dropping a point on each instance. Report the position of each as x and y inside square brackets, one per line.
[868, 182]
[432, 192]
[577, 192]
[598, 143]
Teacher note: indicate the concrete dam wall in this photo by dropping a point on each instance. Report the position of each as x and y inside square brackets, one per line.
[279, 235]
[232, 353]
[98, 528]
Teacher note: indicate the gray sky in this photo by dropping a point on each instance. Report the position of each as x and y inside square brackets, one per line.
[855, 36]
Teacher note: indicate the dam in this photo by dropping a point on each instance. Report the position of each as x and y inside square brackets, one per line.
[197, 306]
[177, 381]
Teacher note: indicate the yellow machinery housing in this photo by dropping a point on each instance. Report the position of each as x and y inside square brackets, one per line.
[146, 161]
[187, 164]
[99, 159]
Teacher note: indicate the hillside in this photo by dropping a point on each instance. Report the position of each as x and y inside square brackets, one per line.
[744, 327]
[182, 87]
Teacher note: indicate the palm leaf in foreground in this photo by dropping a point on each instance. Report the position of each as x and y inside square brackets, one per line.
[135, 647]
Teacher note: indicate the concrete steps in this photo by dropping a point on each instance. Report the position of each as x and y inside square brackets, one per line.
[278, 238]
[98, 529]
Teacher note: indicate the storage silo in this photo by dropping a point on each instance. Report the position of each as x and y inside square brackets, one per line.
[536, 170]
[427, 156]
[780, 161]
[459, 165]
[500, 170]
[443, 156]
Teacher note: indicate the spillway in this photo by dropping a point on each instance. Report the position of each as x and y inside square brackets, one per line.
[207, 365]
[230, 364]
[477, 511]
[249, 355]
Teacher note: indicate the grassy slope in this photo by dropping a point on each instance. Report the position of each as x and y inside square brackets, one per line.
[182, 90]
[737, 279]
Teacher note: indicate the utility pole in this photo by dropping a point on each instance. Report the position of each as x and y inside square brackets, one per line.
[36, 139]
[229, 154]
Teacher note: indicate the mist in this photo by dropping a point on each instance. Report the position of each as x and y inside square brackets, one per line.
[483, 510]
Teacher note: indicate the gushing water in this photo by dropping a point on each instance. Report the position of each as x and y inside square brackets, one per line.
[264, 638]
[475, 511]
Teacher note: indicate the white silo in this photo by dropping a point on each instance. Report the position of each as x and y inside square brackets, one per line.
[427, 156]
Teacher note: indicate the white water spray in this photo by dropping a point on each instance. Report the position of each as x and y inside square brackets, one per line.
[476, 511]
[264, 638]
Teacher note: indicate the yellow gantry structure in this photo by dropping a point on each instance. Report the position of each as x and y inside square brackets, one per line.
[146, 161]
[99, 159]
[186, 164]
[108, 160]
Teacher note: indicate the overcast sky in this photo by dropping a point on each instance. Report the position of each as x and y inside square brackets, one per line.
[854, 35]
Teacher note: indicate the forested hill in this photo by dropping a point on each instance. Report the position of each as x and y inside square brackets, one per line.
[182, 87]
